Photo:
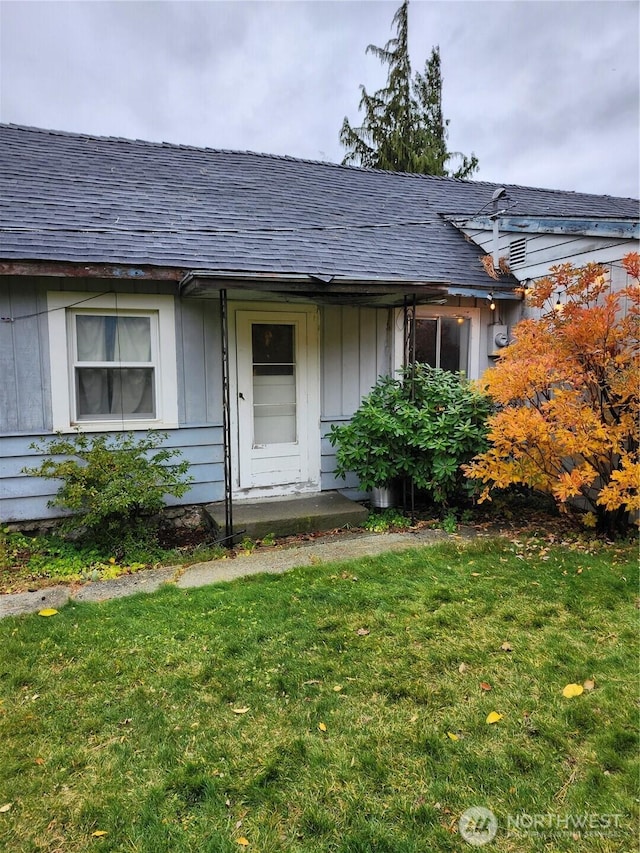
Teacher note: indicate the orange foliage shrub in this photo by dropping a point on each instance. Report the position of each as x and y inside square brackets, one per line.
[567, 392]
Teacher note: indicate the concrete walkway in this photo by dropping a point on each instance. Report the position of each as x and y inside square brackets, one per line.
[327, 549]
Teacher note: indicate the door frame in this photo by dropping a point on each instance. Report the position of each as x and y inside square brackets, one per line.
[308, 404]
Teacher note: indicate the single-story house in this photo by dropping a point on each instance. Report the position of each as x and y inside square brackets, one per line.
[242, 303]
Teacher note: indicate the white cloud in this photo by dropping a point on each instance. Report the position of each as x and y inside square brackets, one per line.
[544, 93]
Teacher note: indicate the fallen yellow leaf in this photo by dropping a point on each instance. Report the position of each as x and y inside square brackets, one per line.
[99, 833]
[506, 647]
[589, 684]
[338, 688]
[5, 807]
[242, 841]
[452, 736]
[494, 717]
[240, 710]
[484, 685]
[572, 690]
[322, 727]
[48, 611]
[39, 761]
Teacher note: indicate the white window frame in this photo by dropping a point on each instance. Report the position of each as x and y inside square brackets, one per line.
[433, 312]
[62, 308]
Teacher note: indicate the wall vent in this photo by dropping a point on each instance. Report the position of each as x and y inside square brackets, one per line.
[517, 252]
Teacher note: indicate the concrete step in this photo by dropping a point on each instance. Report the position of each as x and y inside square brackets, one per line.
[289, 516]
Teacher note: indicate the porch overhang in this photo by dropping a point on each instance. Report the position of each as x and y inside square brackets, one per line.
[327, 289]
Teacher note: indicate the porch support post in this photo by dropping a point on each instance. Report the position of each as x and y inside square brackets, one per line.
[226, 420]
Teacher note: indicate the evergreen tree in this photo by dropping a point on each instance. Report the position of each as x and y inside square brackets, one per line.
[403, 128]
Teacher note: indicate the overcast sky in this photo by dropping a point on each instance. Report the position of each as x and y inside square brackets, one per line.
[545, 93]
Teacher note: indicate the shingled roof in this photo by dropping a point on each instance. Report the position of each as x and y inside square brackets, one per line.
[83, 199]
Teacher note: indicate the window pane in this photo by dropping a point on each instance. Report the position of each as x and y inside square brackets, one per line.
[115, 392]
[426, 341]
[454, 343]
[133, 339]
[274, 383]
[110, 338]
[443, 342]
[91, 338]
[274, 409]
[272, 343]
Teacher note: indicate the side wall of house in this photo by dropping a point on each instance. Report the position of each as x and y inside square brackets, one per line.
[25, 390]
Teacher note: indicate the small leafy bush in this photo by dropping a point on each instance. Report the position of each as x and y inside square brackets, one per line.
[389, 519]
[113, 484]
[424, 423]
[449, 523]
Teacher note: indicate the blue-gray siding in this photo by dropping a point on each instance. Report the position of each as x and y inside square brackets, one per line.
[25, 384]
[23, 498]
[356, 348]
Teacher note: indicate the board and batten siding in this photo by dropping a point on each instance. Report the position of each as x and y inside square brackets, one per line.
[25, 374]
[25, 390]
[356, 348]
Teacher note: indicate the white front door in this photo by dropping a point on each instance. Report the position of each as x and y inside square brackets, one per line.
[277, 397]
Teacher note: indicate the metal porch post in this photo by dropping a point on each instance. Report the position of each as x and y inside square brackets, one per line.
[410, 360]
[226, 420]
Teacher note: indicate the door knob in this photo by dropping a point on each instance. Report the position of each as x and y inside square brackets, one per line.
[241, 395]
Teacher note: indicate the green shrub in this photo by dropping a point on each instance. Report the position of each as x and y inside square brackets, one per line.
[389, 519]
[423, 424]
[113, 484]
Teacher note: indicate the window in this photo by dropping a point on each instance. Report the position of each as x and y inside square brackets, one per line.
[114, 366]
[443, 342]
[121, 361]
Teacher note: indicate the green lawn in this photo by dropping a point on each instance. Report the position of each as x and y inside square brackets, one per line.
[335, 708]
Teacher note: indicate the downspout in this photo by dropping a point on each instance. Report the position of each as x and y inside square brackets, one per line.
[495, 198]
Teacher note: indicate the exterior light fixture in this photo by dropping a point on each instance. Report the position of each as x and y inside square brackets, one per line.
[558, 306]
[492, 304]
